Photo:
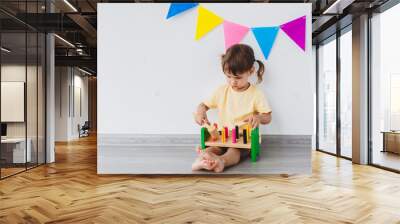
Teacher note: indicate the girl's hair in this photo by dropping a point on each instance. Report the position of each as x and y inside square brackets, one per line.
[239, 58]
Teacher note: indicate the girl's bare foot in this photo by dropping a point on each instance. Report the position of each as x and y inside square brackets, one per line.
[208, 161]
[201, 163]
[217, 164]
[209, 164]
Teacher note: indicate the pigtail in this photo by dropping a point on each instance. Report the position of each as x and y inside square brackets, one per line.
[260, 71]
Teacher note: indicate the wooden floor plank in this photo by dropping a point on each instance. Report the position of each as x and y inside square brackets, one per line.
[70, 191]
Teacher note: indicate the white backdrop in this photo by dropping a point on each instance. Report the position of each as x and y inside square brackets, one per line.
[152, 73]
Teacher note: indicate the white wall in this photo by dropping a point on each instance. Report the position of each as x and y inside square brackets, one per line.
[61, 103]
[79, 117]
[68, 82]
[152, 73]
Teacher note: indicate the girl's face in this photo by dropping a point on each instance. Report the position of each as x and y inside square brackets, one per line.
[239, 82]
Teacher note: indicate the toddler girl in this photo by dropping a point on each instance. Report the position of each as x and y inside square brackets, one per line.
[236, 100]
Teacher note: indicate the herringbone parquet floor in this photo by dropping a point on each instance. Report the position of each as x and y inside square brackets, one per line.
[70, 191]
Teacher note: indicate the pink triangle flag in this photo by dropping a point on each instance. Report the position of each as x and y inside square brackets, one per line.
[296, 30]
[234, 33]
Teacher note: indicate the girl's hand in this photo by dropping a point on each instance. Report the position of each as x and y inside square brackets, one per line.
[254, 120]
[201, 118]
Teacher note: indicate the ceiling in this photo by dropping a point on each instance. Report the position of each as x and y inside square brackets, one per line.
[76, 22]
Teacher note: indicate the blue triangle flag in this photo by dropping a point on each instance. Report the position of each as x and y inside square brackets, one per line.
[176, 8]
[265, 37]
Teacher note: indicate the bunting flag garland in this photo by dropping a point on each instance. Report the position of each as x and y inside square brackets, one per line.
[296, 30]
[177, 8]
[233, 33]
[265, 37]
[206, 21]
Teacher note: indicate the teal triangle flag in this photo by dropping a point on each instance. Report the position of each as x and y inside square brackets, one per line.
[265, 37]
[176, 8]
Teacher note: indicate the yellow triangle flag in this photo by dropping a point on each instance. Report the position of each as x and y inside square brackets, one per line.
[206, 21]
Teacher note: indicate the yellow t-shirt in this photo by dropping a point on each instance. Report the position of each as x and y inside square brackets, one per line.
[233, 106]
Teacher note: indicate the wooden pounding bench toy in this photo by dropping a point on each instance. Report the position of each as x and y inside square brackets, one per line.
[239, 137]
